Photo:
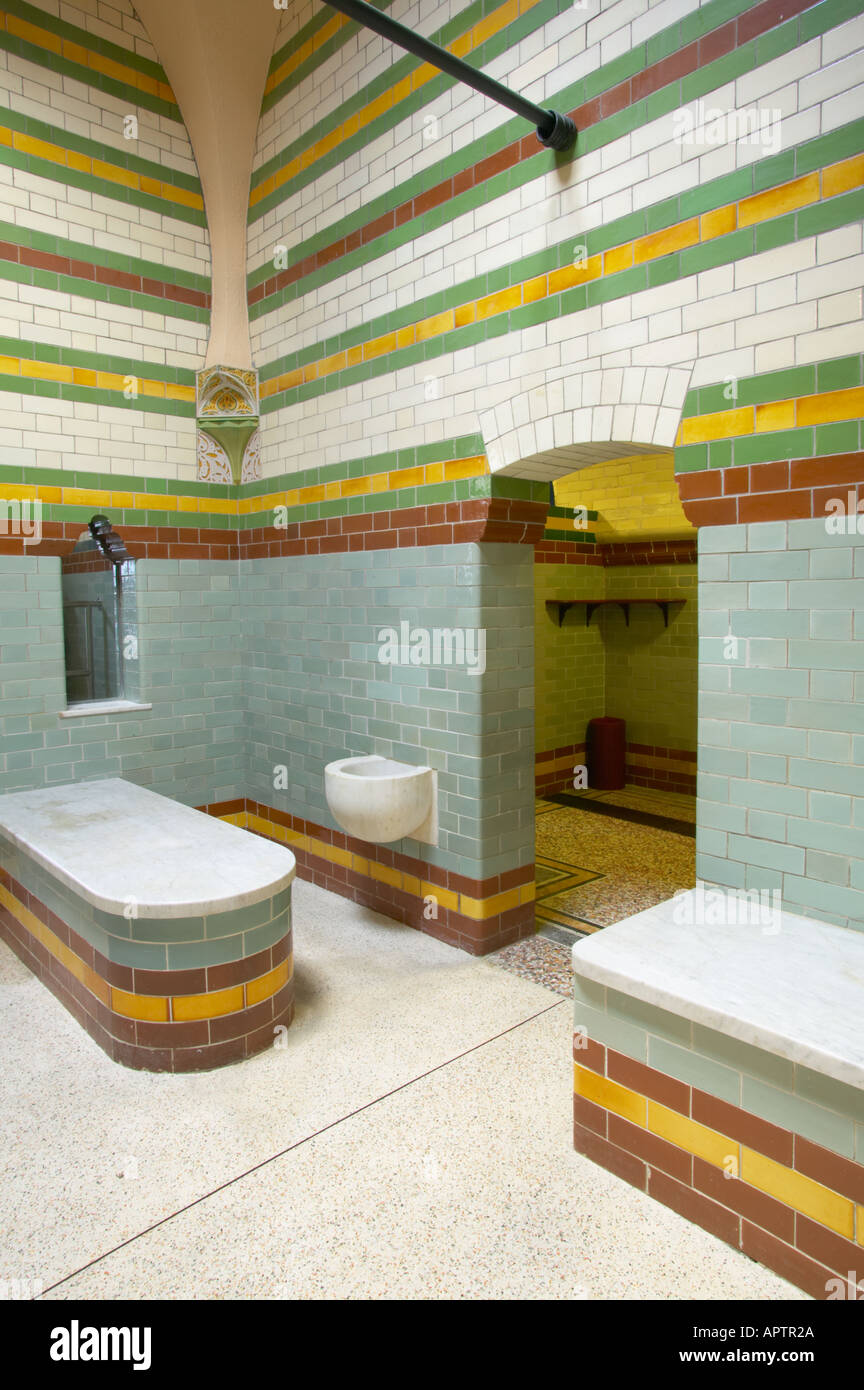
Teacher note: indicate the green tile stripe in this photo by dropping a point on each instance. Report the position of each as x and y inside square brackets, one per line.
[91, 149]
[95, 361]
[104, 188]
[91, 395]
[114, 482]
[32, 53]
[94, 149]
[810, 441]
[43, 19]
[433, 494]
[736, 245]
[105, 294]
[746, 58]
[134, 516]
[442, 451]
[425, 495]
[833, 374]
[95, 255]
[320, 55]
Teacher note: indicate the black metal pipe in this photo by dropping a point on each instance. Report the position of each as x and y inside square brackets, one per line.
[555, 131]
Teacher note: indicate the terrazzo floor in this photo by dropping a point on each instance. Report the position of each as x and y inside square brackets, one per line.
[411, 1140]
[594, 869]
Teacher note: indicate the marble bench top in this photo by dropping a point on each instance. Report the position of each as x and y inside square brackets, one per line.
[113, 842]
[796, 991]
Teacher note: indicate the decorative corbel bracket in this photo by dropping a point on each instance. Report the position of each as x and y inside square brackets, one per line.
[228, 418]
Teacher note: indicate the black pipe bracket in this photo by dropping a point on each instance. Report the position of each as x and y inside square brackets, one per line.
[555, 131]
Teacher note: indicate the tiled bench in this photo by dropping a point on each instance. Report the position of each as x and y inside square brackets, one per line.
[165, 932]
[721, 1070]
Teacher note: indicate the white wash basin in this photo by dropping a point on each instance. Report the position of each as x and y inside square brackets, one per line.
[380, 800]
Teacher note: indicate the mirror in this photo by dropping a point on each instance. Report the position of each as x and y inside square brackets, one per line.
[98, 588]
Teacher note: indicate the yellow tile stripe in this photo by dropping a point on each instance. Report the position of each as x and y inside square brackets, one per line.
[77, 53]
[85, 974]
[798, 1191]
[787, 1185]
[99, 168]
[86, 376]
[232, 506]
[835, 178]
[423, 476]
[464, 44]
[153, 1008]
[479, 909]
[797, 412]
[305, 50]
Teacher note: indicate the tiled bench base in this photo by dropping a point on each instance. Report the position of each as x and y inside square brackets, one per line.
[777, 1196]
[719, 1069]
[165, 934]
[187, 1018]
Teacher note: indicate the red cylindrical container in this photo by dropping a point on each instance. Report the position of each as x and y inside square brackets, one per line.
[605, 754]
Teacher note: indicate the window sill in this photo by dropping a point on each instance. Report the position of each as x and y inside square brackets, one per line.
[101, 707]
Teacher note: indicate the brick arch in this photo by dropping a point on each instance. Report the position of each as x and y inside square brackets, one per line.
[559, 426]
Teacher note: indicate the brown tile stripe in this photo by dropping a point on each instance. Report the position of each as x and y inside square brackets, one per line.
[176, 1046]
[496, 519]
[789, 489]
[672, 778]
[549, 780]
[707, 49]
[613, 553]
[676, 552]
[477, 937]
[566, 553]
[102, 275]
[86, 562]
[142, 542]
[794, 1246]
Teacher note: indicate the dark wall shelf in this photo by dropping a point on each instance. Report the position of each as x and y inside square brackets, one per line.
[589, 604]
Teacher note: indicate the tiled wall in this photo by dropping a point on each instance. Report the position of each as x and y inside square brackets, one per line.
[431, 273]
[780, 702]
[433, 315]
[643, 672]
[570, 661]
[316, 690]
[651, 677]
[189, 746]
[104, 255]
